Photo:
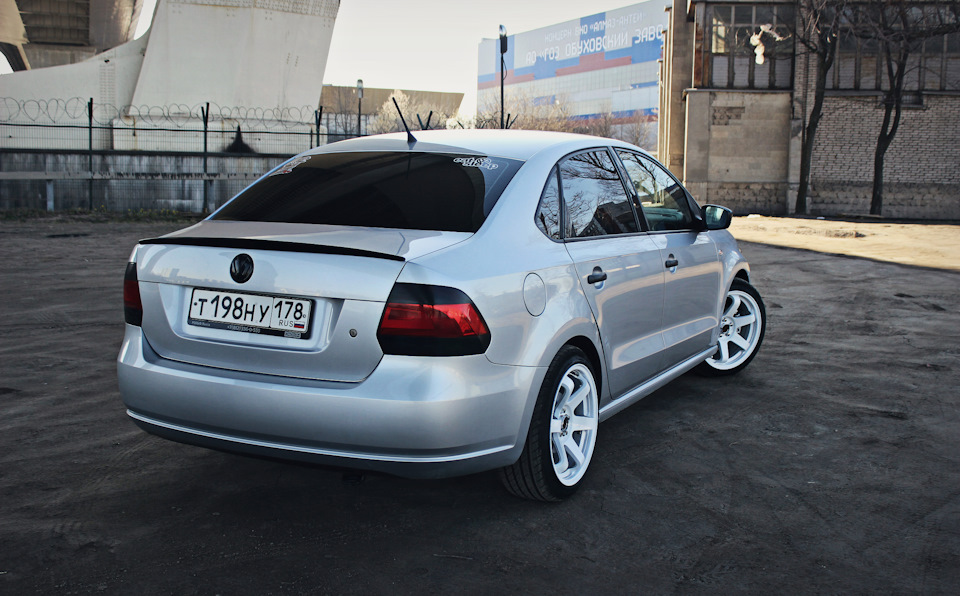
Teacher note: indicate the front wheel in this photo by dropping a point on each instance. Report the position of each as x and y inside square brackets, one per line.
[742, 325]
[563, 432]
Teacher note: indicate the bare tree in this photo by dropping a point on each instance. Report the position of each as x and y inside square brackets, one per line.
[900, 29]
[817, 31]
[525, 113]
[600, 126]
[387, 119]
[639, 130]
[540, 114]
[342, 109]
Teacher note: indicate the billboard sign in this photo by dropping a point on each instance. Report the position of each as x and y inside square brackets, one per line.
[629, 35]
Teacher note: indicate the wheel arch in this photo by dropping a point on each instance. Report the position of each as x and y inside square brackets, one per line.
[743, 273]
[585, 345]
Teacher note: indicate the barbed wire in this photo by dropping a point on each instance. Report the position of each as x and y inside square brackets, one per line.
[65, 111]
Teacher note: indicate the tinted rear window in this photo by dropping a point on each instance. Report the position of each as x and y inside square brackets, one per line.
[415, 191]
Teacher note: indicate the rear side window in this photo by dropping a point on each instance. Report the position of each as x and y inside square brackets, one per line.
[405, 190]
[548, 214]
[594, 196]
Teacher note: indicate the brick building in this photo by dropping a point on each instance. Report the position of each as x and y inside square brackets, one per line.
[732, 125]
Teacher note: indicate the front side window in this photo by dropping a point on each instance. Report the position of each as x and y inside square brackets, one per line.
[749, 46]
[595, 200]
[383, 189]
[662, 199]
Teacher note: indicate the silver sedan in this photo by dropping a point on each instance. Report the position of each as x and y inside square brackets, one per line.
[465, 301]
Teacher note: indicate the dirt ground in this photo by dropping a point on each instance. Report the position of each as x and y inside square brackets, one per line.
[831, 465]
[923, 245]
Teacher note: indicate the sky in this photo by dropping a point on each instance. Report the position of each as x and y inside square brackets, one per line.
[427, 45]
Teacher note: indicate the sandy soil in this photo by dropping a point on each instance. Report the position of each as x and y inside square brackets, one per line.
[923, 245]
[829, 466]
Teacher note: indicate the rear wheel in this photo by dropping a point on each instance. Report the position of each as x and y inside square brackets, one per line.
[563, 432]
[742, 325]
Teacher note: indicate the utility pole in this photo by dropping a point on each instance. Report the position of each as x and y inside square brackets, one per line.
[359, 103]
[503, 70]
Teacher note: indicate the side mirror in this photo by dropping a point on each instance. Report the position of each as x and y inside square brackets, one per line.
[716, 217]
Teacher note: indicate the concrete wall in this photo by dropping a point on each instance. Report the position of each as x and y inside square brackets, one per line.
[131, 188]
[738, 149]
[930, 201]
[921, 167]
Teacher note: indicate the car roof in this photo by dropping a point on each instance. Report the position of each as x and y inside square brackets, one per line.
[515, 144]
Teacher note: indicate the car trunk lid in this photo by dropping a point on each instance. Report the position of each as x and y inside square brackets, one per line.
[339, 276]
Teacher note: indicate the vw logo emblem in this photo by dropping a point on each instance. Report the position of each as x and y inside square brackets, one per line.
[241, 268]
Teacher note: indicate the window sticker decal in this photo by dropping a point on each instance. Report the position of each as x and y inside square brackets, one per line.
[290, 165]
[476, 162]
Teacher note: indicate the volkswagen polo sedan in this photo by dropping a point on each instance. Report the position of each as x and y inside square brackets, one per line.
[438, 306]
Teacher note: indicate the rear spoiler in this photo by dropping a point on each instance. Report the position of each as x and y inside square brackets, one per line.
[276, 245]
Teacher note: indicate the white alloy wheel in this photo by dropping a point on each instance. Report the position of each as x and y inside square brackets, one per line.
[742, 326]
[563, 432]
[573, 427]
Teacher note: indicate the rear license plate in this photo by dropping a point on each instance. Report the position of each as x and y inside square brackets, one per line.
[251, 313]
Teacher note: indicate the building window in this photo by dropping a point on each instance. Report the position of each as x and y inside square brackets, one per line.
[933, 65]
[749, 46]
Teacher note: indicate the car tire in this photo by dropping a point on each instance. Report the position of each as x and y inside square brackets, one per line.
[562, 434]
[743, 323]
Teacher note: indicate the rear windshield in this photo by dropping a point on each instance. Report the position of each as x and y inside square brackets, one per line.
[408, 190]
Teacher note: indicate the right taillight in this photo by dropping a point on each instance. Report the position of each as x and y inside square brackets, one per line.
[421, 320]
[132, 307]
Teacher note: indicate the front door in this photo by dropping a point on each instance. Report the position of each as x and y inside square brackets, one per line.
[688, 257]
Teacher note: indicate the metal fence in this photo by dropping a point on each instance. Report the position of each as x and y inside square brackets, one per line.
[70, 154]
[77, 124]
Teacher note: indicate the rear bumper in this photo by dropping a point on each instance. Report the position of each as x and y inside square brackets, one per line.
[418, 417]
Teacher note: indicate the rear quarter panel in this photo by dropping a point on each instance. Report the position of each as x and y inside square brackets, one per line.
[491, 267]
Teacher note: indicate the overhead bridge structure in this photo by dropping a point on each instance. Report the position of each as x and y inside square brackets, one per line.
[42, 33]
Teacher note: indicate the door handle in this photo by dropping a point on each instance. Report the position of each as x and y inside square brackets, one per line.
[671, 262]
[597, 276]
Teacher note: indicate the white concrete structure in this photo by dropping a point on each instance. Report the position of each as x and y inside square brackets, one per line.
[265, 55]
[253, 53]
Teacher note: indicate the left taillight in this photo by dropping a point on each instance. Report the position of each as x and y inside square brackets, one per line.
[423, 320]
[132, 307]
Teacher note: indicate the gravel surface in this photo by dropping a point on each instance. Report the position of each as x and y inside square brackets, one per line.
[829, 466]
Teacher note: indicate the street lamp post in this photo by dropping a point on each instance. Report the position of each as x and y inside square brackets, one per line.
[503, 69]
[359, 103]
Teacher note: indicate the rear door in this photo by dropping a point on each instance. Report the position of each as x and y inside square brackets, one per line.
[688, 258]
[618, 266]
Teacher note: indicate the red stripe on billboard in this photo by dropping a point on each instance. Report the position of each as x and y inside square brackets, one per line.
[511, 79]
[589, 62]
